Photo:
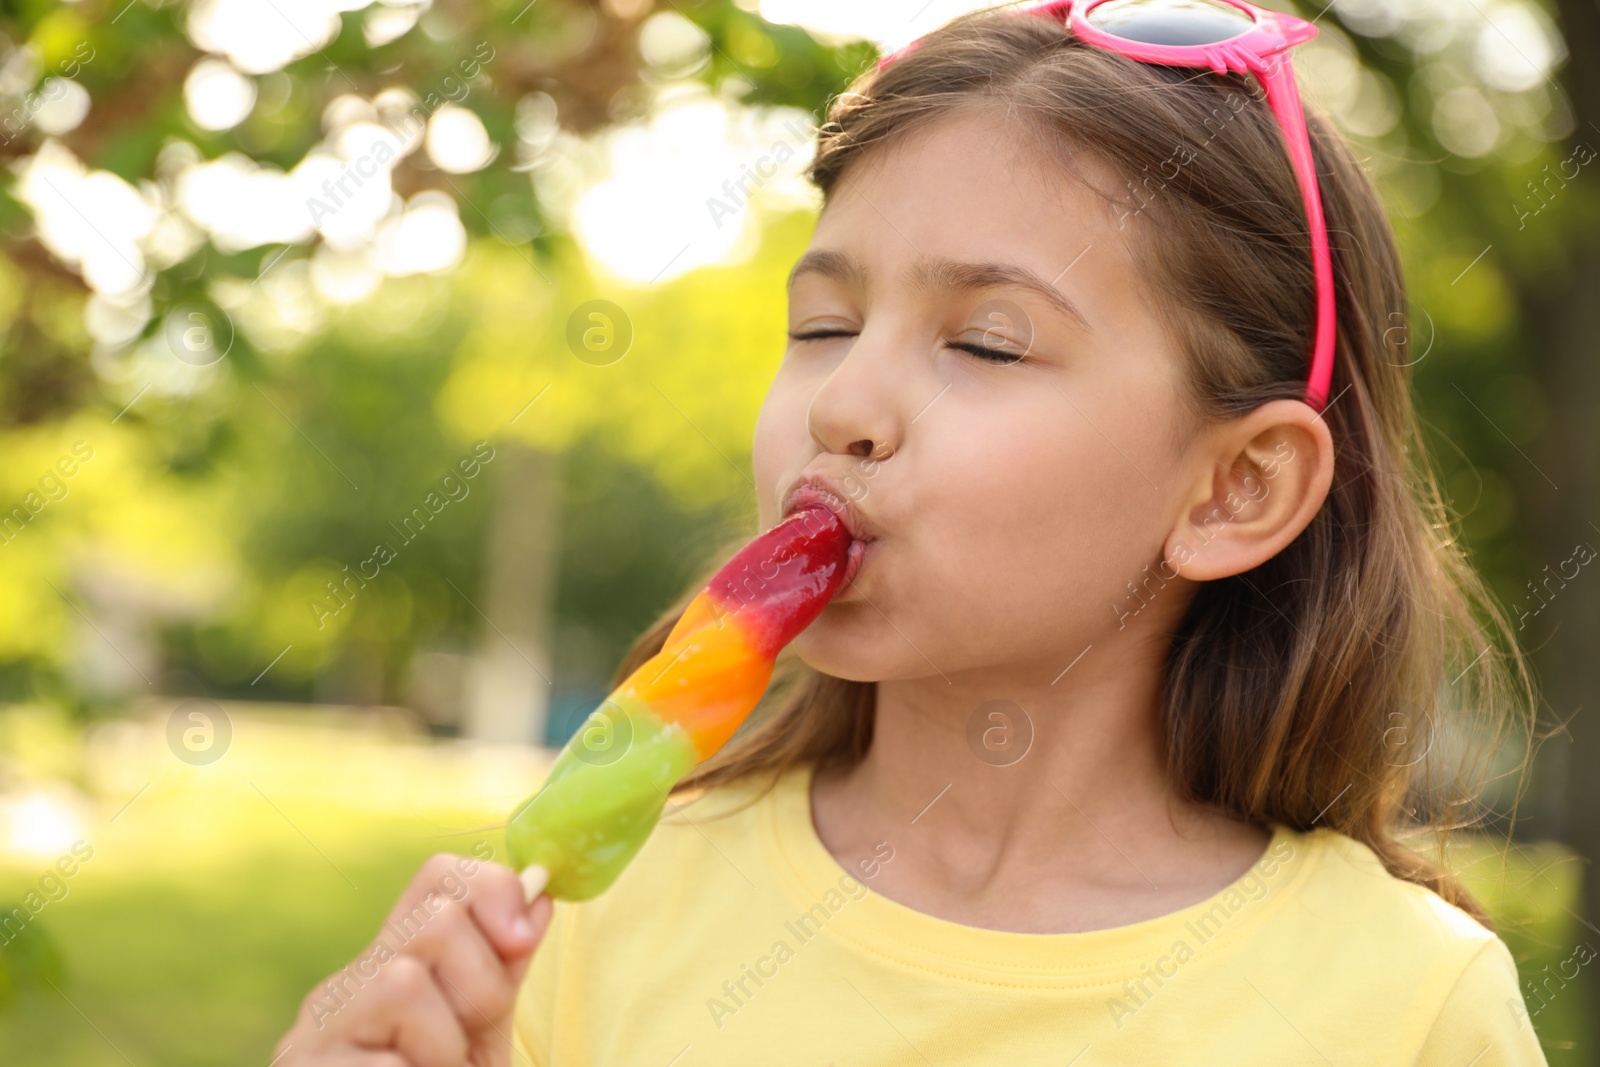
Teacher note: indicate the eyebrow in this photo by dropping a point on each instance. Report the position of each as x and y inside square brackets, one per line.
[931, 274]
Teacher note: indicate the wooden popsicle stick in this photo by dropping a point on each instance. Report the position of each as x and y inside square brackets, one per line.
[534, 878]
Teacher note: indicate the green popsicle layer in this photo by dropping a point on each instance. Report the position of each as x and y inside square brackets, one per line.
[584, 827]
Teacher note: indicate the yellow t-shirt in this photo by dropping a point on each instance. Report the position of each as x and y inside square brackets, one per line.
[742, 940]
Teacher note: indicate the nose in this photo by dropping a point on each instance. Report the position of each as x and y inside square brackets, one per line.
[855, 411]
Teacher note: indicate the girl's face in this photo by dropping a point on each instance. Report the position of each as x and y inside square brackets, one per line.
[1012, 499]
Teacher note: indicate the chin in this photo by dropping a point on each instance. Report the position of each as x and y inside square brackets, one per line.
[854, 642]
[836, 645]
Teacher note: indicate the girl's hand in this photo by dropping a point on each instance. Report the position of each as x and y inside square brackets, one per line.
[437, 987]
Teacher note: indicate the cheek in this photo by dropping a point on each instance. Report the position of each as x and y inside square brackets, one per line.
[779, 447]
[1014, 528]
[1041, 514]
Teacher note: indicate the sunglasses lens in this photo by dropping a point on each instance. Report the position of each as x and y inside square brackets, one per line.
[1171, 22]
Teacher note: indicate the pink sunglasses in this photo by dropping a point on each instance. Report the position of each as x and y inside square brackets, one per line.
[1224, 35]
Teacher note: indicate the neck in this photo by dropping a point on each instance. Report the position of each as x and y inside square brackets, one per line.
[985, 815]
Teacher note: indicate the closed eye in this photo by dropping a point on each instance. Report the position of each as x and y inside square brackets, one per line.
[987, 354]
[819, 335]
[983, 352]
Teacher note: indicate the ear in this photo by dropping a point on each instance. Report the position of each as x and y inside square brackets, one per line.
[1263, 477]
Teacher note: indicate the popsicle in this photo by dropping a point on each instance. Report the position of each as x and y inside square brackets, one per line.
[609, 784]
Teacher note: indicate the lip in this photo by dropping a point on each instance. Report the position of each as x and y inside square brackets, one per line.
[853, 562]
[820, 489]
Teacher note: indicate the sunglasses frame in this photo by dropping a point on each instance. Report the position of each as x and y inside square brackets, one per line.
[1262, 51]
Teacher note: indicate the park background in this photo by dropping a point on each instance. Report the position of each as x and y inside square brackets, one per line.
[498, 288]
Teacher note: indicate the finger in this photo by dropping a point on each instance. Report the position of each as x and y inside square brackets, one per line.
[360, 1057]
[474, 977]
[499, 904]
[539, 913]
[405, 1010]
[492, 891]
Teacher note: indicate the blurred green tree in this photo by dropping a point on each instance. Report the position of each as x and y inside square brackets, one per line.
[254, 442]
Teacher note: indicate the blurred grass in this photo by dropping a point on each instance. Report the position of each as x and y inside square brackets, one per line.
[166, 970]
[223, 893]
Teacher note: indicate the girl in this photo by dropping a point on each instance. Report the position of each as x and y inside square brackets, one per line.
[1105, 753]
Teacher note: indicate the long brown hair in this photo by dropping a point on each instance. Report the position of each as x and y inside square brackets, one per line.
[1312, 690]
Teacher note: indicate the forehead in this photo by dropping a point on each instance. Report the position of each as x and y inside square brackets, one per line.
[978, 186]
